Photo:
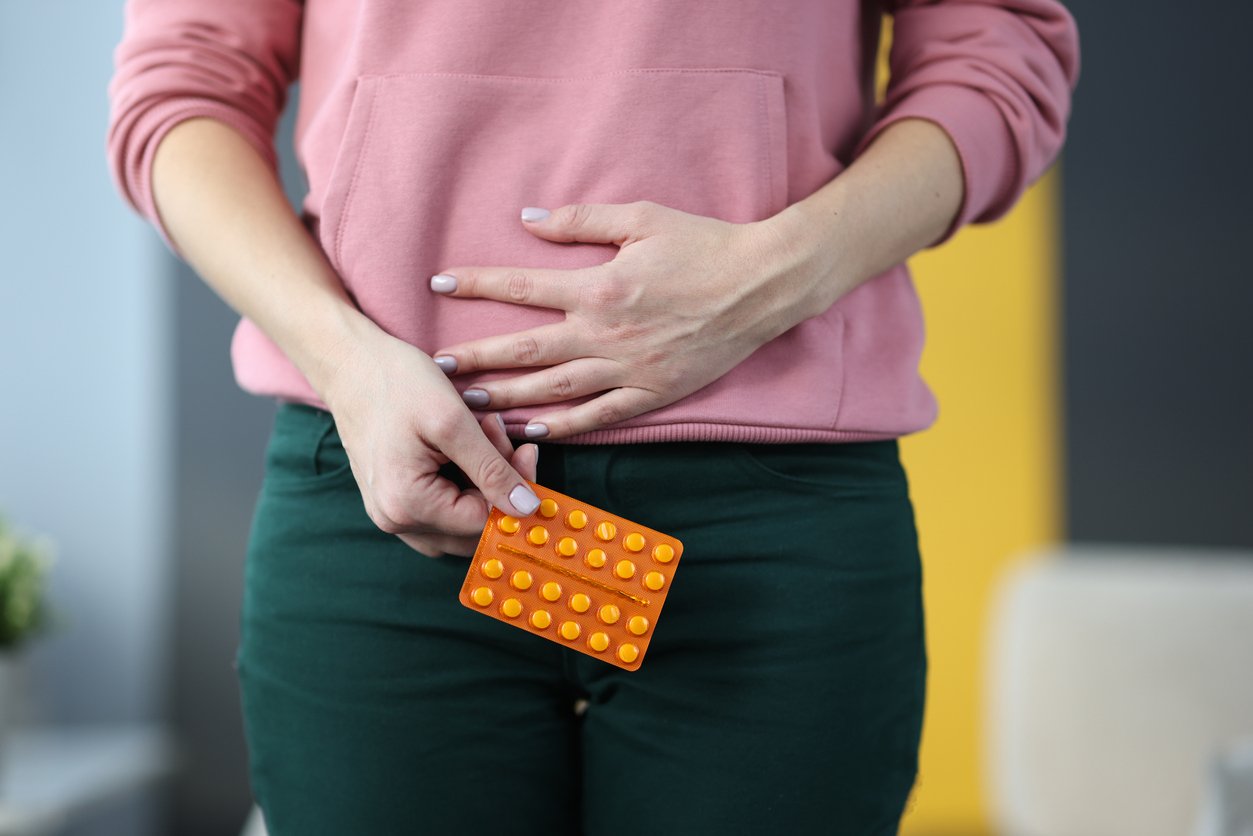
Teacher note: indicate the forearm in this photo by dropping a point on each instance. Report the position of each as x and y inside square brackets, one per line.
[225, 211]
[897, 198]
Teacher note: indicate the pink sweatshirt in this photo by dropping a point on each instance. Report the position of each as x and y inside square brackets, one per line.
[425, 127]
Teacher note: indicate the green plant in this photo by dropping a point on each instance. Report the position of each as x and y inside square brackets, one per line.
[24, 563]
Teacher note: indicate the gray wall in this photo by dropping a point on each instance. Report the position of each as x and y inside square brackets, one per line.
[84, 368]
[1158, 287]
[85, 382]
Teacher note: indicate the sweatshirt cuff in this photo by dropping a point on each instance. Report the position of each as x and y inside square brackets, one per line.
[157, 122]
[983, 140]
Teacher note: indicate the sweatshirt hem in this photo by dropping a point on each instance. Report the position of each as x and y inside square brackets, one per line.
[712, 431]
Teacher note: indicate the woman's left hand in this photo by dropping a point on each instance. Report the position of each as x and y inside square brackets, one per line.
[685, 300]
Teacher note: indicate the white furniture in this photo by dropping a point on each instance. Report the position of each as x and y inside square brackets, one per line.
[1116, 676]
[255, 826]
[52, 777]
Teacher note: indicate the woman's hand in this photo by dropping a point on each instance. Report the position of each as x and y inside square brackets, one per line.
[400, 420]
[684, 301]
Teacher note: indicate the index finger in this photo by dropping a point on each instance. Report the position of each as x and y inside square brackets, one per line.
[542, 288]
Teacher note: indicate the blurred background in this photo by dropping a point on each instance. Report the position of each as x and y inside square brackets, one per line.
[1085, 502]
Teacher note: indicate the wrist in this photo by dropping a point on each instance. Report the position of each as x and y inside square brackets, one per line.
[808, 248]
[323, 337]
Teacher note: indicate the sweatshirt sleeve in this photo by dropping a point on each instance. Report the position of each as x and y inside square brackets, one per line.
[996, 76]
[231, 60]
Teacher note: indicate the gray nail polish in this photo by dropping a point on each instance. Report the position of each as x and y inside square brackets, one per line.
[475, 397]
[501, 422]
[447, 364]
[524, 500]
[443, 283]
[534, 213]
[536, 430]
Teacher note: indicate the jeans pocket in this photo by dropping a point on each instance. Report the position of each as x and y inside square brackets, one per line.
[305, 451]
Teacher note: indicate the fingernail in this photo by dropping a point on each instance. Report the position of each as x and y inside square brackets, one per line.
[524, 500]
[535, 430]
[447, 363]
[443, 283]
[475, 397]
[501, 422]
[534, 213]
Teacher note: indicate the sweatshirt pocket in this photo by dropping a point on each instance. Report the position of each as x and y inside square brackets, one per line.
[434, 168]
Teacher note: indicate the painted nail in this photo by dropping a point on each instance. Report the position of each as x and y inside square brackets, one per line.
[535, 430]
[501, 422]
[475, 397]
[524, 500]
[534, 213]
[447, 363]
[443, 283]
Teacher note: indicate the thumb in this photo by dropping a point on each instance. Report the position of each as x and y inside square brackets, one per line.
[469, 448]
[593, 223]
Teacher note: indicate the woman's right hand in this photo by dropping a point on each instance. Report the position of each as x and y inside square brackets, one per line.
[398, 415]
[400, 420]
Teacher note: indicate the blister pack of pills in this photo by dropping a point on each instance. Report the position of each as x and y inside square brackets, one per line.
[576, 575]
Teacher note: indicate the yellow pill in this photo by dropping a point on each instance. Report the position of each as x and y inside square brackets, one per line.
[481, 596]
[509, 525]
[609, 614]
[633, 542]
[521, 579]
[606, 531]
[624, 569]
[638, 625]
[538, 535]
[551, 591]
[576, 519]
[567, 546]
[598, 641]
[548, 508]
[663, 553]
[628, 653]
[511, 608]
[570, 630]
[580, 602]
[540, 619]
[654, 581]
[493, 568]
[595, 558]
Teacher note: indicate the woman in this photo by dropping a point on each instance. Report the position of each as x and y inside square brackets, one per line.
[663, 240]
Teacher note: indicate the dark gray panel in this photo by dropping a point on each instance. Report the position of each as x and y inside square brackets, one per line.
[1158, 292]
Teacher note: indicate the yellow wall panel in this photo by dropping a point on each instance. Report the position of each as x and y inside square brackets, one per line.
[985, 479]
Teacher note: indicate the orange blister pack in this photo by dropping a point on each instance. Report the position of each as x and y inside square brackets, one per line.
[575, 575]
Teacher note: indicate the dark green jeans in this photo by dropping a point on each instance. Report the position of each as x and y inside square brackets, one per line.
[783, 691]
